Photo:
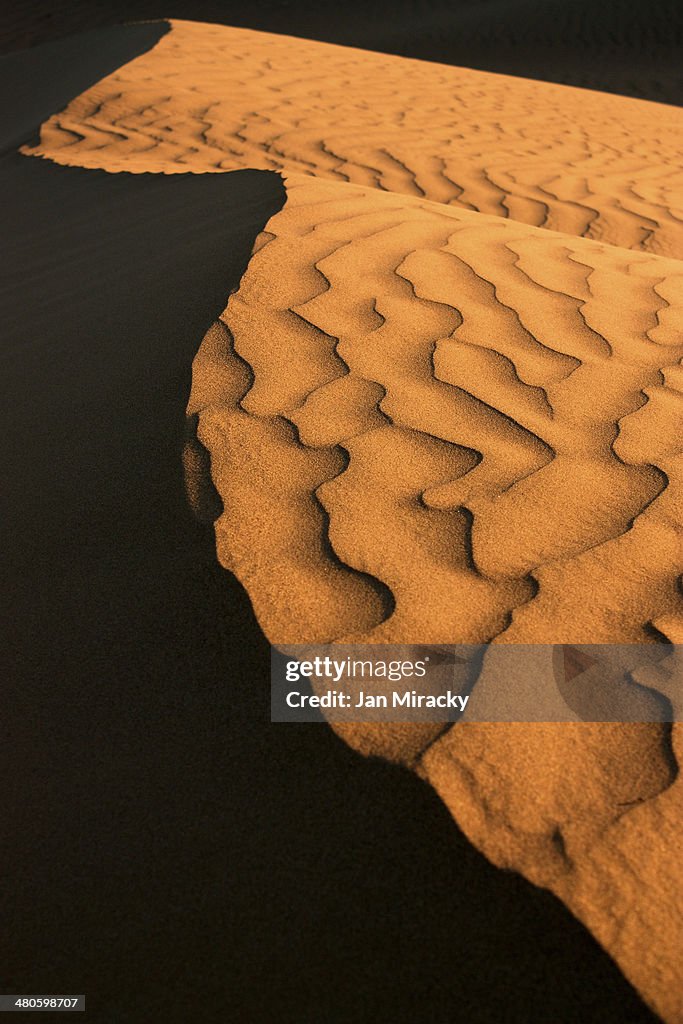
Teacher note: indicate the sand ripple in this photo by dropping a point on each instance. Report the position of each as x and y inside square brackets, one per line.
[430, 425]
[214, 98]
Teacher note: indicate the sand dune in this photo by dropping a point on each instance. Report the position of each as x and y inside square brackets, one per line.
[212, 98]
[430, 419]
[429, 425]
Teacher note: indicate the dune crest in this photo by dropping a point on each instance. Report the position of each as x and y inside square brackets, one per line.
[214, 98]
[430, 425]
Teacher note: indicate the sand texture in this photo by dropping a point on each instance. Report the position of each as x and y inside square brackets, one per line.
[444, 406]
[428, 425]
[451, 403]
[212, 98]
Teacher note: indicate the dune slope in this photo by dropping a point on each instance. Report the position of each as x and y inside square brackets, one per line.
[429, 425]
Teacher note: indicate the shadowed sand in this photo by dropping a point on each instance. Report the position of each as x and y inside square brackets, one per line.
[438, 421]
[42, 83]
[211, 98]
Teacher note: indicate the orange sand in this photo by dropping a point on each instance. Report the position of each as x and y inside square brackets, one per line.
[431, 424]
[477, 422]
[212, 98]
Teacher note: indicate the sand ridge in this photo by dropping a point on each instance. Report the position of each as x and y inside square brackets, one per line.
[213, 98]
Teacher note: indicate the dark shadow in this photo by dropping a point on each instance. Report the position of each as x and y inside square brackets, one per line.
[38, 83]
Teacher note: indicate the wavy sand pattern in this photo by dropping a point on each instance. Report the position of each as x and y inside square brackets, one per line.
[467, 430]
[430, 419]
[211, 98]
[431, 351]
